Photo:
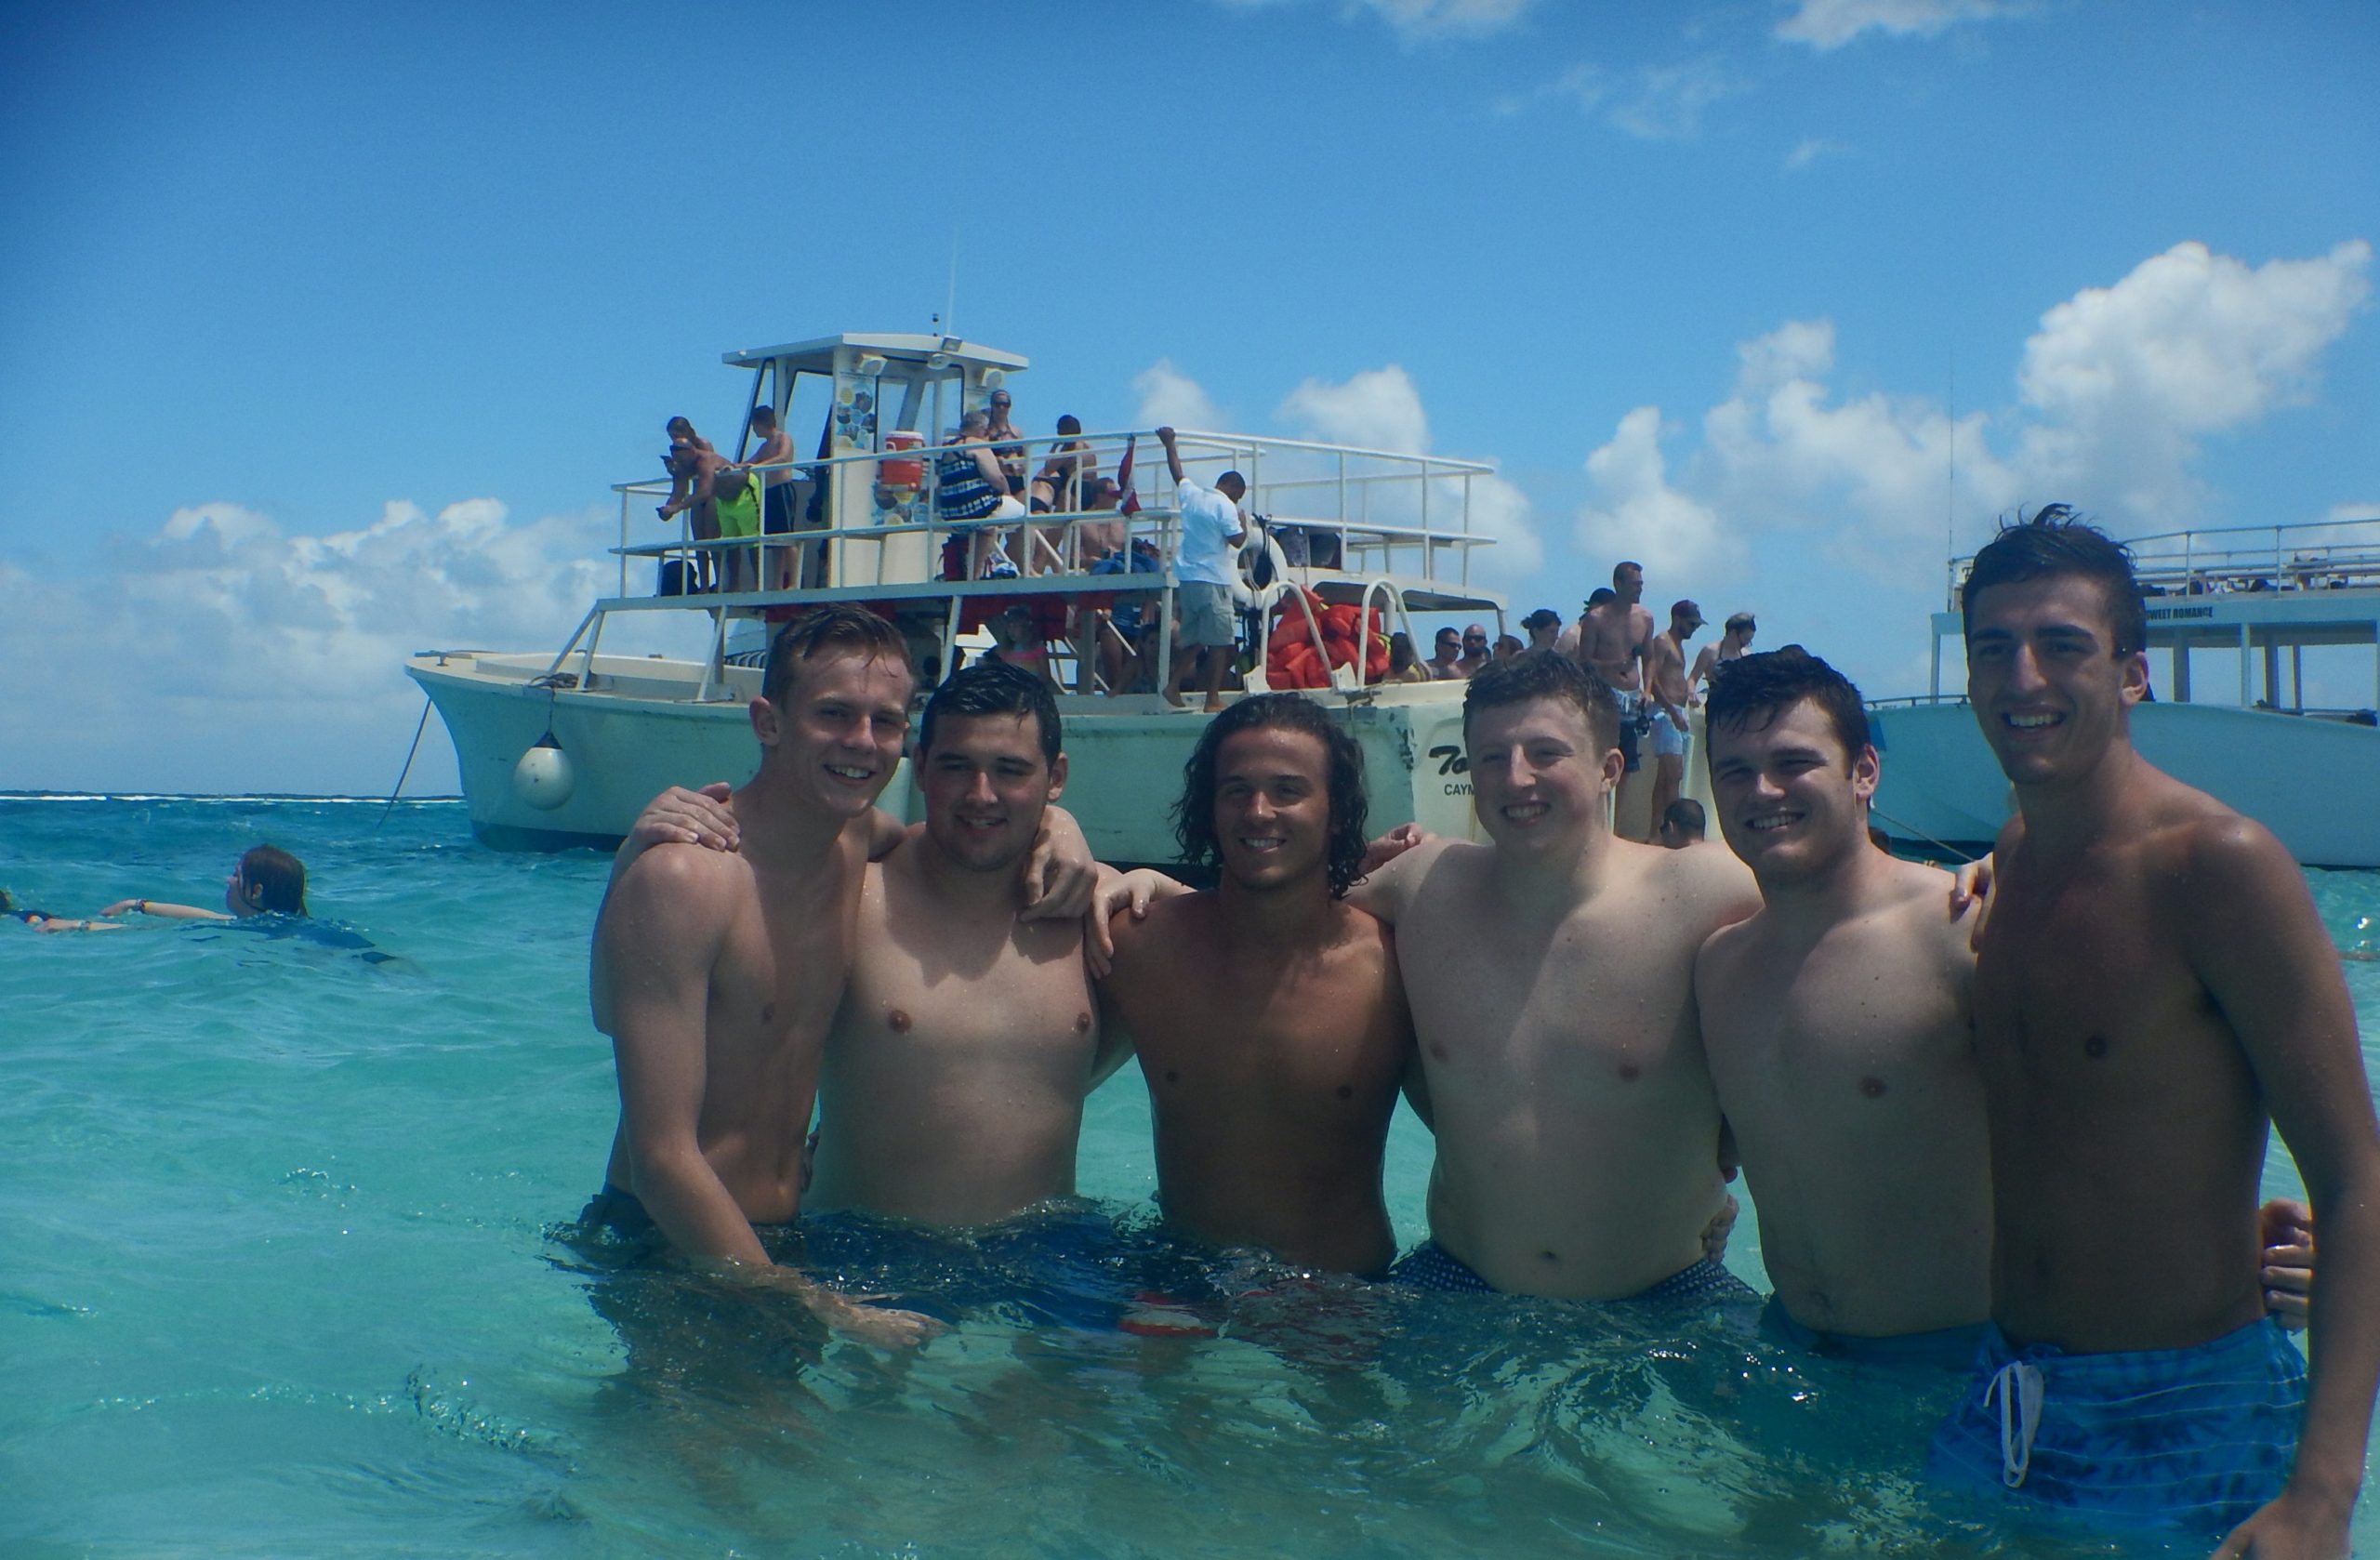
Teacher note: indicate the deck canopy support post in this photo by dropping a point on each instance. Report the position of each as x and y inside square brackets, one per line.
[2181, 690]
[2243, 665]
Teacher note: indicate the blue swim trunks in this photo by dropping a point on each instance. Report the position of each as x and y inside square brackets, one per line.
[2195, 1438]
[1950, 1348]
[1431, 1266]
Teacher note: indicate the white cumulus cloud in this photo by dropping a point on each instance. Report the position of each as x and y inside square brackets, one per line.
[1829, 24]
[268, 660]
[1637, 513]
[2127, 380]
[1170, 396]
[1378, 408]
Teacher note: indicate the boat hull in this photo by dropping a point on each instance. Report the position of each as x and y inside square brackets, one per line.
[637, 728]
[2295, 774]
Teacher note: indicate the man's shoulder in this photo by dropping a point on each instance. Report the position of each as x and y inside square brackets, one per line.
[677, 872]
[1708, 879]
[1146, 945]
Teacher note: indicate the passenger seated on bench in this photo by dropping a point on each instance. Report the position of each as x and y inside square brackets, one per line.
[970, 489]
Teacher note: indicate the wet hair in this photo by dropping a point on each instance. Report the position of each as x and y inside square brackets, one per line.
[276, 878]
[835, 625]
[1686, 816]
[1601, 594]
[1741, 620]
[1194, 814]
[994, 688]
[765, 417]
[1751, 691]
[1545, 674]
[2056, 541]
[1069, 423]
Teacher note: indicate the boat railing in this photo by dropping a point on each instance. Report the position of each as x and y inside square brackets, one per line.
[1367, 512]
[2313, 555]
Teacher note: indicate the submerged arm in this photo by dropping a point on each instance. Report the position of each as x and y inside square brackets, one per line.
[2260, 948]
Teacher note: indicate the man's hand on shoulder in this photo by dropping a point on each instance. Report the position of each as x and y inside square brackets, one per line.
[1060, 875]
[678, 816]
[1122, 900]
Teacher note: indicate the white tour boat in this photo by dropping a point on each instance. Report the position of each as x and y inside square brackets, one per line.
[2263, 594]
[562, 747]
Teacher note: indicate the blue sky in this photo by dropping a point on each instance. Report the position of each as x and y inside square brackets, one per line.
[323, 329]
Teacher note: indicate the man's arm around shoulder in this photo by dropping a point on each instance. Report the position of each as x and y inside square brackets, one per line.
[2255, 941]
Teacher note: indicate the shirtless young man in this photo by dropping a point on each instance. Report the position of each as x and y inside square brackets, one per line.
[1838, 1025]
[1836, 1022]
[2153, 993]
[1666, 691]
[1267, 1014]
[773, 457]
[1614, 638]
[716, 973]
[968, 1038]
[1735, 642]
[1551, 978]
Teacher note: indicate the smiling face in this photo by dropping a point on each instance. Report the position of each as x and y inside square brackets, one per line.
[985, 785]
[2047, 686]
[835, 741]
[1538, 776]
[1272, 807]
[1791, 802]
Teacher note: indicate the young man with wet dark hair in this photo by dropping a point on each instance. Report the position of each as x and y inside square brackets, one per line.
[1267, 1012]
[2154, 992]
[968, 1038]
[1551, 976]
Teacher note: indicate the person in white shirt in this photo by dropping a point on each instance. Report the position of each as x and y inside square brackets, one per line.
[1202, 569]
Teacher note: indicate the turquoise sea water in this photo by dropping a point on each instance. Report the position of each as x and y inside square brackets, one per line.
[278, 1277]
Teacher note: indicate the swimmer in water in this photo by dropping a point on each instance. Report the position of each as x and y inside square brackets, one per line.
[268, 881]
[1267, 1012]
[2154, 992]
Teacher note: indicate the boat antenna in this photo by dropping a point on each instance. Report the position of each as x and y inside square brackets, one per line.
[950, 298]
[1951, 465]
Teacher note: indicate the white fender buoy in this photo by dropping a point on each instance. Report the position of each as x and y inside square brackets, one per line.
[543, 777]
